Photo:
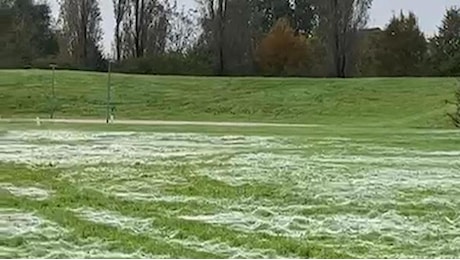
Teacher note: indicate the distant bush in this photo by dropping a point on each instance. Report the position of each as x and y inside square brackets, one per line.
[7, 62]
[43, 63]
[166, 64]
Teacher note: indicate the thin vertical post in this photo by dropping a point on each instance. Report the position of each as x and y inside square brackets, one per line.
[53, 92]
[108, 91]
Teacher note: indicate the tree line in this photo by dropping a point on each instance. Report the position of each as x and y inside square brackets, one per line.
[316, 38]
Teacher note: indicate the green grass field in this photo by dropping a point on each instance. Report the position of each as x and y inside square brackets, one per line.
[409, 102]
[375, 179]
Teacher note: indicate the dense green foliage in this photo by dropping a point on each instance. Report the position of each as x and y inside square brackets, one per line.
[446, 45]
[25, 33]
[401, 47]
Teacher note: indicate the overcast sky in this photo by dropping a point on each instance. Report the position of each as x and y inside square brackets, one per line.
[430, 13]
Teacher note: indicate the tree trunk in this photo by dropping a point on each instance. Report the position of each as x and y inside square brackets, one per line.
[221, 11]
[118, 42]
[84, 32]
[142, 29]
[337, 52]
[138, 24]
[120, 9]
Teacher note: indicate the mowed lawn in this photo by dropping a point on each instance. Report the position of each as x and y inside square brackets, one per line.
[377, 178]
[388, 102]
[98, 191]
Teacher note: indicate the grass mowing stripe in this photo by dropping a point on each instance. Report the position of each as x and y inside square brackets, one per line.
[281, 245]
[69, 196]
[327, 194]
[167, 207]
[119, 239]
[26, 234]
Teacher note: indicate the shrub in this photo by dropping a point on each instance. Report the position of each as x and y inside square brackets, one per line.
[282, 52]
[166, 64]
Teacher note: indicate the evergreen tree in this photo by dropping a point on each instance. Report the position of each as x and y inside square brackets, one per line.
[446, 49]
[401, 47]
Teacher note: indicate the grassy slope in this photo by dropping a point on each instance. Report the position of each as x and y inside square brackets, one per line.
[406, 102]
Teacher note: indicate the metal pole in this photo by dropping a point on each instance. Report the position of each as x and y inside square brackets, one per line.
[108, 92]
[53, 93]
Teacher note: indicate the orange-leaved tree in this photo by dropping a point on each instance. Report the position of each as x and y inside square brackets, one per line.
[282, 52]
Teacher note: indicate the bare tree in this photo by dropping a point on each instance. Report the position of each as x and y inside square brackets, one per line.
[340, 21]
[220, 33]
[81, 29]
[232, 29]
[182, 32]
[214, 15]
[140, 28]
[120, 7]
[239, 33]
[145, 26]
[157, 33]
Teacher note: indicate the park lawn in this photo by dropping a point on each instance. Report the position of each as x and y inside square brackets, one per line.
[200, 192]
[371, 178]
[377, 102]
